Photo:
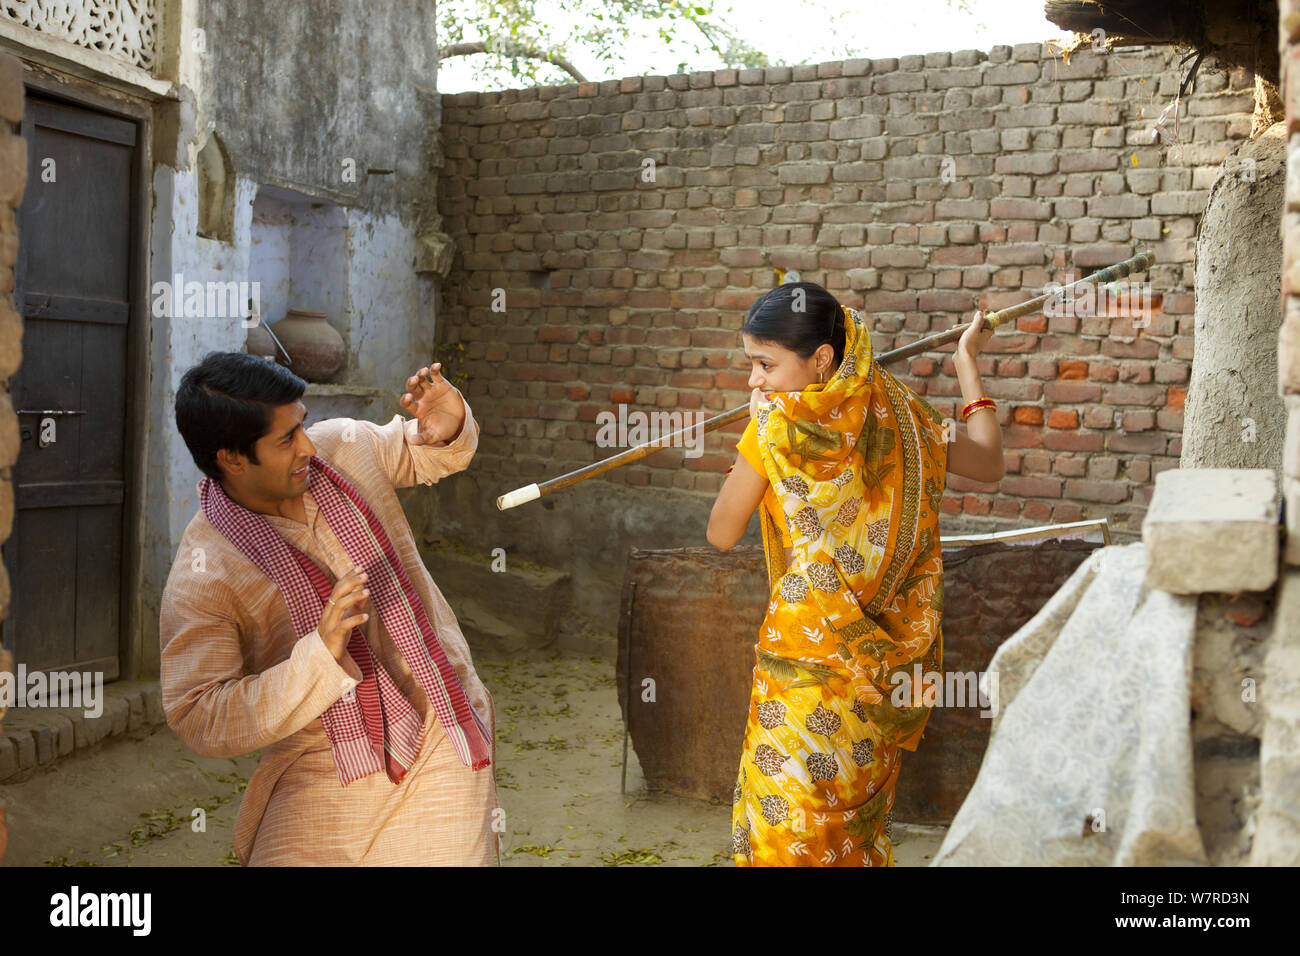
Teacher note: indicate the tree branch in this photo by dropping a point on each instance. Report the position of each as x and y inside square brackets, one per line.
[479, 46]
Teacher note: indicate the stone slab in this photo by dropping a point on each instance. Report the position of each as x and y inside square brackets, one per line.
[1212, 530]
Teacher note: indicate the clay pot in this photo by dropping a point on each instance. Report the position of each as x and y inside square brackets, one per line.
[315, 347]
[259, 342]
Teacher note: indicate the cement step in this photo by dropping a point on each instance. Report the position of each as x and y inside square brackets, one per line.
[509, 610]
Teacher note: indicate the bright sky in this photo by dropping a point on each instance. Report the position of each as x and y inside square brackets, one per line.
[812, 31]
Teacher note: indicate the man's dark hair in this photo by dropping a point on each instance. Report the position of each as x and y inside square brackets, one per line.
[228, 401]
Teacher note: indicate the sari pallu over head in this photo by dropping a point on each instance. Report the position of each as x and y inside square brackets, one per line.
[858, 465]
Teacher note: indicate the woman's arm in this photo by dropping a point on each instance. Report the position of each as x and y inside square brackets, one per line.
[977, 451]
[741, 493]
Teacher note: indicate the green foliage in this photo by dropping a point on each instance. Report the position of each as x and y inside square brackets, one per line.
[452, 358]
[513, 29]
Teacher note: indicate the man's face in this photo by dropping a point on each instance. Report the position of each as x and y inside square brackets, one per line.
[282, 457]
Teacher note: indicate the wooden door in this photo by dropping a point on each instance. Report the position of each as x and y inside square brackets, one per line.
[73, 289]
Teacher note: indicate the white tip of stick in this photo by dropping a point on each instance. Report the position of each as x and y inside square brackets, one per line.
[518, 497]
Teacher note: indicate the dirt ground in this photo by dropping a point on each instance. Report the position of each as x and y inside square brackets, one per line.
[559, 753]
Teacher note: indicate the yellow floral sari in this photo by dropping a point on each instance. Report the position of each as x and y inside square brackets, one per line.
[857, 466]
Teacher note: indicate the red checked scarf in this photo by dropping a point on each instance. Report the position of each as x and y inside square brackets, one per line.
[376, 728]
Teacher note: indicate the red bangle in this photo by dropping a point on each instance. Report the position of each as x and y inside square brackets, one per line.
[976, 405]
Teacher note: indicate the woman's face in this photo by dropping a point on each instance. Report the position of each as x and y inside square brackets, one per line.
[777, 369]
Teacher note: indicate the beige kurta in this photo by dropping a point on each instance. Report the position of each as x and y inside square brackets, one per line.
[236, 679]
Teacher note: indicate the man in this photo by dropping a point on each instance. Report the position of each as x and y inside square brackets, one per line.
[298, 619]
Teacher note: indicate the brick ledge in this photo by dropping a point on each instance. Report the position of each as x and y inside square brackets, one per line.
[33, 738]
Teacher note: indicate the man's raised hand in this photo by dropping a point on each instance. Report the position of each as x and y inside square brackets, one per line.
[435, 404]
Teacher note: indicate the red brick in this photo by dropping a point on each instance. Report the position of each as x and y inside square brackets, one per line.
[691, 379]
[957, 256]
[1026, 486]
[1071, 466]
[733, 380]
[1028, 391]
[1134, 395]
[1066, 511]
[1171, 372]
[1142, 348]
[1037, 463]
[709, 339]
[1108, 492]
[1005, 342]
[976, 506]
[1097, 417]
[1062, 418]
[729, 300]
[1072, 441]
[943, 301]
[1071, 392]
[1135, 372]
[1027, 415]
[1102, 372]
[1139, 421]
[1043, 368]
[922, 367]
[1006, 508]
[1037, 511]
[1021, 437]
[715, 360]
[1032, 323]
[1145, 443]
[1071, 371]
[1178, 396]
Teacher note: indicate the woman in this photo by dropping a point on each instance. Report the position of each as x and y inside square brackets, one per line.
[849, 465]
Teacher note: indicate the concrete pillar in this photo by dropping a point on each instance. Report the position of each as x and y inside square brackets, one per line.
[1235, 417]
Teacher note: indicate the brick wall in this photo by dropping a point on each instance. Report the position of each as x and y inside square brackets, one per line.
[916, 189]
[13, 179]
